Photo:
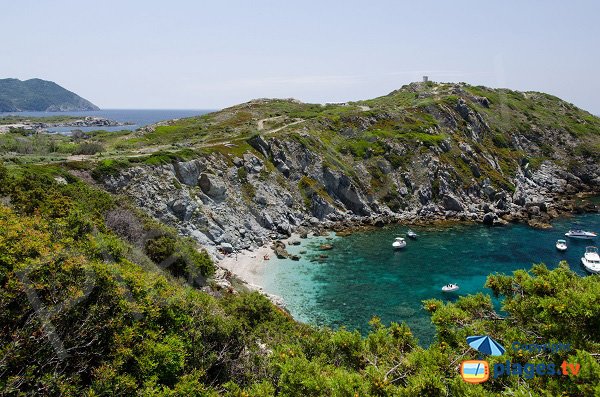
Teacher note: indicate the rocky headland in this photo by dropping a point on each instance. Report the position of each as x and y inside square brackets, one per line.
[424, 153]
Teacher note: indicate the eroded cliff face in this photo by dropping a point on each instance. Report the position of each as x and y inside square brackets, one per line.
[279, 186]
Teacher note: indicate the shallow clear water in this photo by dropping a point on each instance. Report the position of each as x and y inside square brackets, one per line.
[364, 276]
[138, 117]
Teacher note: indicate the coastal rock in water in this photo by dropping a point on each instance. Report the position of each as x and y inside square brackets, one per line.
[488, 219]
[279, 249]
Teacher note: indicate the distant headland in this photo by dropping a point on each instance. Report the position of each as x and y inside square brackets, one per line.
[39, 95]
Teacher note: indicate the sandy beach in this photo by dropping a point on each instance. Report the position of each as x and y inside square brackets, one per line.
[249, 266]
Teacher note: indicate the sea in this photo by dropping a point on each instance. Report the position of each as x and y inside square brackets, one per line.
[364, 277]
[137, 117]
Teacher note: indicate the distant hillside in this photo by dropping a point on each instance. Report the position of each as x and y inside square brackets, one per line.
[39, 95]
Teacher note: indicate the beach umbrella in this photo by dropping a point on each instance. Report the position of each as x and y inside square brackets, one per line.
[485, 345]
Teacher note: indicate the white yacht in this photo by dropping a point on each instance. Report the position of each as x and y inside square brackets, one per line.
[450, 288]
[399, 242]
[591, 260]
[561, 245]
[582, 234]
[411, 234]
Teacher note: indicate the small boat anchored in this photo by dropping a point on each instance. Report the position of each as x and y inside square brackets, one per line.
[450, 288]
[582, 234]
[399, 243]
[561, 245]
[411, 234]
[591, 260]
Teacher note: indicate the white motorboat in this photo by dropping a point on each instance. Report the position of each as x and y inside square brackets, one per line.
[591, 260]
[411, 234]
[561, 245]
[450, 288]
[582, 234]
[398, 243]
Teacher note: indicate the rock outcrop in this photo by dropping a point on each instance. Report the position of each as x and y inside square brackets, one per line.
[460, 168]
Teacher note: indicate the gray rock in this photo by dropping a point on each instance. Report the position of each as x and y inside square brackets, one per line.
[425, 195]
[187, 172]
[252, 163]
[238, 162]
[212, 186]
[451, 203]
[226, 247]
[183, 208]
[489, 218]
[283, 168]
[265, 220]
[341, 187]
[260, 144]
[320, 208]
[261, 199]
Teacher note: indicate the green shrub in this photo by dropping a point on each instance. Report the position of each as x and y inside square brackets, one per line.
[500, 140]
[109, 167]
[88, 148]
[160, 248]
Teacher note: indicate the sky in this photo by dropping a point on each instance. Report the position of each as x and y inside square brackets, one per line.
[208, 55]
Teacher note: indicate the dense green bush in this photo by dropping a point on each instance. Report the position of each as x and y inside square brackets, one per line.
[88, 148]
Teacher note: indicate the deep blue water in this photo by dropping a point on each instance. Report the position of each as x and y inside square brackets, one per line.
[139, 117]
[364, 276]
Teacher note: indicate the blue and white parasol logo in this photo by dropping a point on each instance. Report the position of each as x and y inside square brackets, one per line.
[486, 345]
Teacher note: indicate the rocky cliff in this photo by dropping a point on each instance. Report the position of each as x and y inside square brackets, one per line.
[425, 152]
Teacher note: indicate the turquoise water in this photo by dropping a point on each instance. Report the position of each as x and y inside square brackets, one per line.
[364, 277]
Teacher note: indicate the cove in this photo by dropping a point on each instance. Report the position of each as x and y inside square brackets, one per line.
[364, 277]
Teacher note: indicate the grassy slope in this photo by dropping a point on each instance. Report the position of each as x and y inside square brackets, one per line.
[395, 127]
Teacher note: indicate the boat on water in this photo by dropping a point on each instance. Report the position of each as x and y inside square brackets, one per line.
[582, 234]
[450, 288]
[561, 245]
[591, 260]
[411, 234]
[399, 242]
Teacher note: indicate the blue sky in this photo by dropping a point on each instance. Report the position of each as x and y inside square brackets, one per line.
[196, 54]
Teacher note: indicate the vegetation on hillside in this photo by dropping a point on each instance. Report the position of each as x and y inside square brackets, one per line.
[505, 129]
[89, 306]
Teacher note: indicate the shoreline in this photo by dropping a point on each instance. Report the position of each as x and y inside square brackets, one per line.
[249, 266]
